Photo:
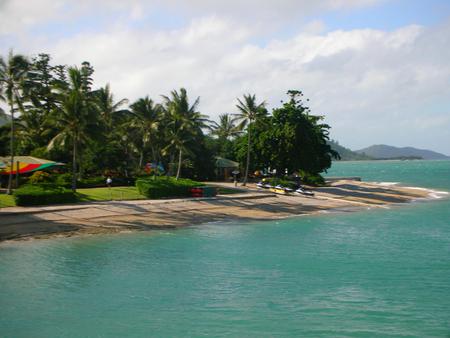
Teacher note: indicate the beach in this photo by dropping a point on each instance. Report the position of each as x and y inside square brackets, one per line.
[21, 223]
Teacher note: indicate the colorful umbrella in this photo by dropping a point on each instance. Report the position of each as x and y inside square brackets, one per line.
[27, 164]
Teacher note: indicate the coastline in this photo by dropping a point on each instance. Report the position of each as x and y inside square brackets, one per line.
[22, 223]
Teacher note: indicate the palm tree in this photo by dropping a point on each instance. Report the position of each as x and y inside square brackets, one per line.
[13, 73]
[184, 122]
[249, 111]
[226, 128]
[107, 108]
[74, 118]
[146, 117]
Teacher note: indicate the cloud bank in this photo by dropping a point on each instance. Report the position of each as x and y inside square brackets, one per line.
[373, 86]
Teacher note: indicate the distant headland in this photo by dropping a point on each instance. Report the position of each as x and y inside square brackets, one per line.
[386, 152]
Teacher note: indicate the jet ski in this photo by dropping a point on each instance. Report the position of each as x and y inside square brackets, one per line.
[304, 192]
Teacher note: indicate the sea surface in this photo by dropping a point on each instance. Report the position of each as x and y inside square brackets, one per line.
[372, 273]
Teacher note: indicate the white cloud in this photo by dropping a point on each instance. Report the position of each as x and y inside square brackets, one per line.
[16, 16]
[374, 86]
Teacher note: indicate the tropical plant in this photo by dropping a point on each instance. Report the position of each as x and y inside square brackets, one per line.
[297, 139]
[13, 72]
[75, 117]
[183, 123]
[226, 128]
[249, 111]
[108, 109]
[146, 117]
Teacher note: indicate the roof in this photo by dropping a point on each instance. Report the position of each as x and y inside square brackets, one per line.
[226, 163]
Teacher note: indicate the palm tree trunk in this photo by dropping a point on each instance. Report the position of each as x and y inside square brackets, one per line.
[248, 157]
[141, 158]
[170, 168]
[154, 159]
[179, 165]
[74, 165]
[10, 178]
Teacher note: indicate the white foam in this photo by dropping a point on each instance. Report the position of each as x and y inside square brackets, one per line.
[435, 194]
[387, 184]
[438, 194]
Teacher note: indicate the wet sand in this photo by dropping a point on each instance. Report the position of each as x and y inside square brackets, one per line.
[19, 223]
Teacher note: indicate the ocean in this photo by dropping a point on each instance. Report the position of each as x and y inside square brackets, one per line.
[372, 273]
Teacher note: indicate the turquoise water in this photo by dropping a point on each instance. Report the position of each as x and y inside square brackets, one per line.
[375, 273]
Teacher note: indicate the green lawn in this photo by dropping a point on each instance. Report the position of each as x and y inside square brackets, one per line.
[229, 191]
[107, 194]
[7, 201]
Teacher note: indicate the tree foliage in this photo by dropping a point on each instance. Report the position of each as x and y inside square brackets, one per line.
[58, 113]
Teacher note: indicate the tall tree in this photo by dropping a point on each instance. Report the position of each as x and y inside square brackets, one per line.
[249, 111]
[13, 72]
[146, 117]
[226, 128]
[184, 122]
[75, 117]
[108, 109]
[298, 140]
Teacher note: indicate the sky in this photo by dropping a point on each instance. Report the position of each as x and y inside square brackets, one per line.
[378, 70]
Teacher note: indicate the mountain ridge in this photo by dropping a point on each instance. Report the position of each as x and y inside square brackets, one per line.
[383, 151]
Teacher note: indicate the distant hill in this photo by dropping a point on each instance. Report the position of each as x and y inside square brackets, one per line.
[381, 151]
[347, 154]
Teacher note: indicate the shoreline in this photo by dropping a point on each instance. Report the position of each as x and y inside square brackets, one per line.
[23, 223]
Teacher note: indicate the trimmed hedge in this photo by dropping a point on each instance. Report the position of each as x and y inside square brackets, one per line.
[43, 194]
[164, 186]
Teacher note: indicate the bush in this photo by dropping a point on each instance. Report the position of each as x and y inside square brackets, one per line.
[43, 194]
[39, 177]
[308, 179]
[313, 179]
[92, 182]
[278, 181]
[163, 187]
[63, 180]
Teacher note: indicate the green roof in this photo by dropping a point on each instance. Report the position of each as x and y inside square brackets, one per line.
[226, 163]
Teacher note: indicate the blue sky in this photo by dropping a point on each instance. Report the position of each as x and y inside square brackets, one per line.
[390, 15]
[377, 69]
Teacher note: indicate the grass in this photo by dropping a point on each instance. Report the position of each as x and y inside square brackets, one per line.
[107, 194]
[90, 194]
[229, 191]
[7, 201]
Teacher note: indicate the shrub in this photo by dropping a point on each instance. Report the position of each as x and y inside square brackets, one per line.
[278, 181]
[313, 179]
[163, 187]
[92, 182]
[63, 180]
[100, 181]
[42, 194]
[39, 177]
[308, 179]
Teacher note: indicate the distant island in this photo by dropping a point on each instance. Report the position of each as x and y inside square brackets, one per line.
[386, 152]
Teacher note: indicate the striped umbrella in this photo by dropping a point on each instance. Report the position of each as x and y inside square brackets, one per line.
[27, 164]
